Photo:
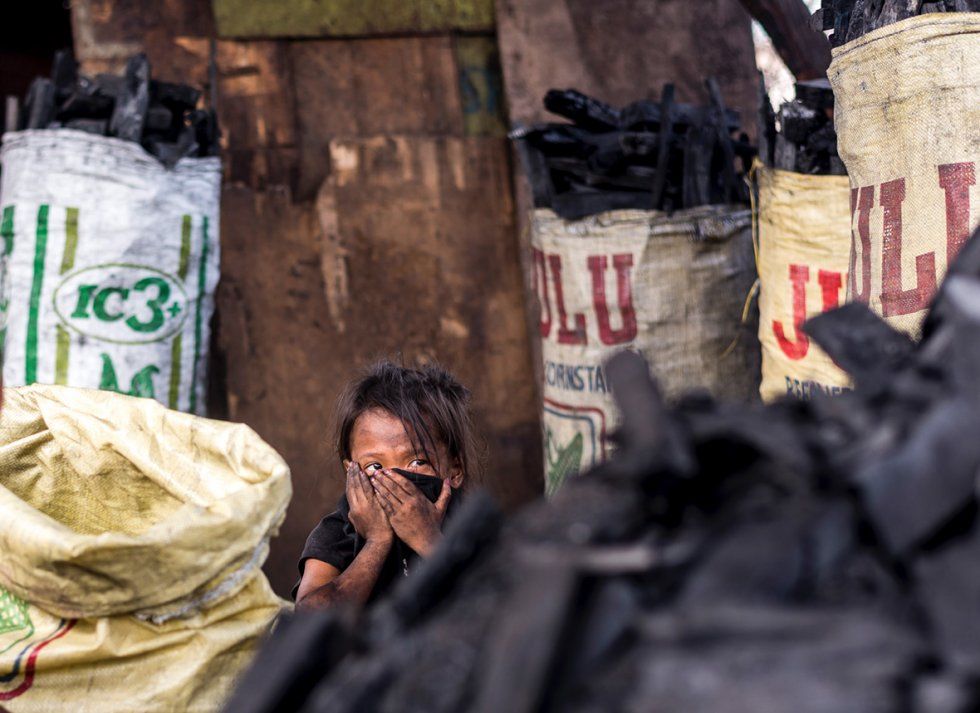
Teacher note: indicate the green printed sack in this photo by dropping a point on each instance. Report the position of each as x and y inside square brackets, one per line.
[113, 265]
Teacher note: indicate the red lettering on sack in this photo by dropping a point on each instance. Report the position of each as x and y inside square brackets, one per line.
[624, 290]
[539, 283]
[894, 300]
[565, 334]
[830, 284]
[862, 201]
[799, 275]
[956, 179]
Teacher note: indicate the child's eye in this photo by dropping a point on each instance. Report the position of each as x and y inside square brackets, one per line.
[418, 463]
[372, 468]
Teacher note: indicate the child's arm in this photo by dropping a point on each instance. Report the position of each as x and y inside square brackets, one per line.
[323, 585]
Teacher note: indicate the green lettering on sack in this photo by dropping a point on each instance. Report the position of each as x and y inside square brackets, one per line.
[99, 306]
[155, 304]
[85, 293]
[140, 385]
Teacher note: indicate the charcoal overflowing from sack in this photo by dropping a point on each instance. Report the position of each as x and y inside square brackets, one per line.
[801, 136]
[814, 556]
[161, 116]
[848, 20]
[650, 155]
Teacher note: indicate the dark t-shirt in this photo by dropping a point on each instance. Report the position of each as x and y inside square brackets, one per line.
[335, 541]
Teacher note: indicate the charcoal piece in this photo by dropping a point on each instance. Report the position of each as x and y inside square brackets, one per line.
[732, 188]
[766, 125]
[860, 342]
[177, 97]
[784, 155]
[950, 588]
[39, 106]
[206, 131]
[129, 115]
[699, 143]
[64, 73]
[663, 146]
[110, 85]
[585, 111]
[472, 529]
[647, 116]
[292, 661]
[169, 153]
[817, 94]
[798, 121]
[920, 486]
[85, 101]
[528, 640]
[89, 126]
[158, 118]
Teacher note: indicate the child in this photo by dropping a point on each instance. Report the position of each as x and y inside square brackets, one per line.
[405, 440]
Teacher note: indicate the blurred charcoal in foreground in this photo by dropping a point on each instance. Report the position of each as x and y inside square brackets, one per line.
[650, 155]
[809, 556]
[163, 117]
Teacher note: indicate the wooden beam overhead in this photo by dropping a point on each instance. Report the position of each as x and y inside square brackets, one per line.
[349, 18]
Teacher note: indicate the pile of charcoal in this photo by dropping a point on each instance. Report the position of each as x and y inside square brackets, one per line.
[649, 155]
[850, 19]
[160, 116]
[801, 137]
[814, 556]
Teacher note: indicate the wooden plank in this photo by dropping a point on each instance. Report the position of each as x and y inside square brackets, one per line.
[349, 18]
[623, 50]
[351, 88]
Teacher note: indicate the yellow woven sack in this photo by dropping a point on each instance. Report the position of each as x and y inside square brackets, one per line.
[804, 244]
[131, 538]
[908, 128]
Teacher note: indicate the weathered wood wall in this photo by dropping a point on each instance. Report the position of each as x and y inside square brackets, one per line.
[367, 212]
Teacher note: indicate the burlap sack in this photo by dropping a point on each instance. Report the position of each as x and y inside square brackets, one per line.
[908, 129]
[804, 245]
[672, 287]
[114, 261]
[131, 540]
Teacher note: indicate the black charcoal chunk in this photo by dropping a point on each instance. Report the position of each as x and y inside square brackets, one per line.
[132, 103]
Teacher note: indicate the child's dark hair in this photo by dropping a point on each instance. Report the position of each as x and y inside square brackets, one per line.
[429, 400]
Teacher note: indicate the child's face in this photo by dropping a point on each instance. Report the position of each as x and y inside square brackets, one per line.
[379, 440]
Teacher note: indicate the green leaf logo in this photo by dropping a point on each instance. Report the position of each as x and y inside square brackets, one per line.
[566, 461]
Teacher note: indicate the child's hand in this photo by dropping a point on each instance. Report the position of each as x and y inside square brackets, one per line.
[415, 520]
[366, 513]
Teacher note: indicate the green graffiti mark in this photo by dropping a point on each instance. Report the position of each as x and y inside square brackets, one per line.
[140, 385]
[566, 460]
